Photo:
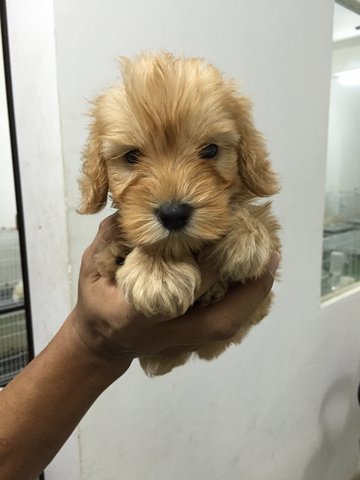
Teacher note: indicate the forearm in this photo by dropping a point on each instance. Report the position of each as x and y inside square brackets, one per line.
[42, 406]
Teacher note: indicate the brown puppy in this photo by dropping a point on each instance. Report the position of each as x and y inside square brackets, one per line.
[176, 147]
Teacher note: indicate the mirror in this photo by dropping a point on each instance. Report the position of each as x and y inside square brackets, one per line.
[341, 243]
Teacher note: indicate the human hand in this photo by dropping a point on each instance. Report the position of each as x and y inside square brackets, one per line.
[111, 329]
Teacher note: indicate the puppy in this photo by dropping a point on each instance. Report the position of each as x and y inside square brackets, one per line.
[176, 148]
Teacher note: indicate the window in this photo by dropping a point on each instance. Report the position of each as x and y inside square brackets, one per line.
[15, 332]
[341, 240]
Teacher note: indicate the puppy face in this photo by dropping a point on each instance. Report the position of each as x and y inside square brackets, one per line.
[173, 145]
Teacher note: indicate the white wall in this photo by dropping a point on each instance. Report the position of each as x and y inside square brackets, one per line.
[282, 405]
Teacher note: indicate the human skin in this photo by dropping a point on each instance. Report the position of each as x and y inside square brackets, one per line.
[94, 347]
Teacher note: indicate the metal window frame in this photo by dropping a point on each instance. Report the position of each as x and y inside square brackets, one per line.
[353, 5]
[17, 180]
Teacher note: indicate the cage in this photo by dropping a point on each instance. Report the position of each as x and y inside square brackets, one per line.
[341, 261]
[14, 352]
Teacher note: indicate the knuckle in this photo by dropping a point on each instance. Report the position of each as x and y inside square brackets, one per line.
[223, 330]
[87, 260]
[86, 255]
[102, 225]
[265, 284]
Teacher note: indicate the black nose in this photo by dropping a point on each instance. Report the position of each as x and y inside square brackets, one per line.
[173, 215]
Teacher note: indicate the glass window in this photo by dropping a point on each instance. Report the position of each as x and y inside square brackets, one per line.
[341, 240]
[14, 319]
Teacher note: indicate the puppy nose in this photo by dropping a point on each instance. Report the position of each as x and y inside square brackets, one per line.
[173, 215]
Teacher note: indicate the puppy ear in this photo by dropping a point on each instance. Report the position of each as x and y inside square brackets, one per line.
[94, 182]
[254, 166]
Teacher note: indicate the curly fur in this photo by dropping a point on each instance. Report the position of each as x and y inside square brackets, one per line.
[168, 108]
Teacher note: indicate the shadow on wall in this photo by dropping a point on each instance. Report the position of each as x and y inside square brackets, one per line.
[339, 421]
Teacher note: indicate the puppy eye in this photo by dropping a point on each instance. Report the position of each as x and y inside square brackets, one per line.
[209, 151]
[132, 156]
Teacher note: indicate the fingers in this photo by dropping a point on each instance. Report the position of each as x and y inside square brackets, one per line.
[225, 318]
[108, 231]
[209, 276]
[222, 320]
[200, 325]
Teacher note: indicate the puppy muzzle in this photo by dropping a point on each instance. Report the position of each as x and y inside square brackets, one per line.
[174, 215]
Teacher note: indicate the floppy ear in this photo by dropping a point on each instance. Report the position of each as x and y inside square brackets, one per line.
[254, 166]
[94, 182]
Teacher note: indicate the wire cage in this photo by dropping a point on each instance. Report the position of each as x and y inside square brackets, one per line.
[341, 262]
[14, 352]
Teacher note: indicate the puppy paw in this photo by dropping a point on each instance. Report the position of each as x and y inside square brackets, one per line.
[246, 250]
[157, 287]
[212, 350]
[157, 365]
[110, 258]
[214, 294]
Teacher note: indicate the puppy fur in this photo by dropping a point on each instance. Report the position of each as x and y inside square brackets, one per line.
[168, 110]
